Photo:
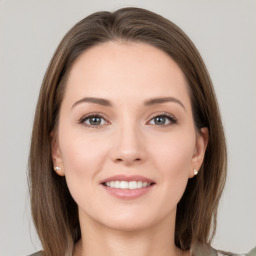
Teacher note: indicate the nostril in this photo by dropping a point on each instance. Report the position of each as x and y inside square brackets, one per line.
[128, 156]
[135, 160]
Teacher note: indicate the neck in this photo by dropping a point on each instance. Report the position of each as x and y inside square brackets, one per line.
[98, 240]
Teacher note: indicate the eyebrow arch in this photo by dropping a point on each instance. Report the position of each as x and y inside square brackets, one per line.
[156, 101]
[102, 102]
[107, 103]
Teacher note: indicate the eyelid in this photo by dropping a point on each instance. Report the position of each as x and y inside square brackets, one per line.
[94, 114]
[171, 117]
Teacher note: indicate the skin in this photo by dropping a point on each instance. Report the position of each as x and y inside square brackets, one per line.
[128, 141]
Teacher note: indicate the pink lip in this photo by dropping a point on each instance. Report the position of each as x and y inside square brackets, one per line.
[127, 178]
[127, 193]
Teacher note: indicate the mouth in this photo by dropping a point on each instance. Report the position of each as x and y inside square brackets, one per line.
[127, 187]
[122, 184]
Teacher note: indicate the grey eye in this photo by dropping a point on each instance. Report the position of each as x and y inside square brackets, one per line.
[160, 120]
[163, 120]
[94, 121]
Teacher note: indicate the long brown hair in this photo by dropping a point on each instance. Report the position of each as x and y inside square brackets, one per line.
[54, 211]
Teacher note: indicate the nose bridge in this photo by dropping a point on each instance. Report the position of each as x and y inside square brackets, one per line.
[128, 146]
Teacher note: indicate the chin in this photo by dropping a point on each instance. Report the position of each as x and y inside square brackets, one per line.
[130, 226]
[128, 222]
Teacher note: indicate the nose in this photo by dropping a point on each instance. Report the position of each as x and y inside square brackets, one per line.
[129, 146]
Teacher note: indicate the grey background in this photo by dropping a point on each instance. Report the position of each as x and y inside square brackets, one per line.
[225, 34]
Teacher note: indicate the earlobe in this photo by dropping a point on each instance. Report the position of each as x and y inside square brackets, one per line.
[59, 171]
[56, 155]
[200, 148]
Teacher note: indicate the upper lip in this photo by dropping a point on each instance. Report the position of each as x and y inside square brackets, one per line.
[127, 178]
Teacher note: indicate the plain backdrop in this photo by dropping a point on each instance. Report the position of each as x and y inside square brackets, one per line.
[225, 34]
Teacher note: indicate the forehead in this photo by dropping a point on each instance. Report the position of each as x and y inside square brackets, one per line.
[126, 69]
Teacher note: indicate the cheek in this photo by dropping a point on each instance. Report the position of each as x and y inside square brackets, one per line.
[172, 156]
[83, 156]
[174, 152]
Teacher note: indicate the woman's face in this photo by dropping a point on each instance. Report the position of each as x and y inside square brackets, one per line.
[126, 119]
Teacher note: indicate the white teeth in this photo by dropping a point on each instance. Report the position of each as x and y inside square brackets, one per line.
[124, 184]
[127, 185]
[132, 184]
[116, 184]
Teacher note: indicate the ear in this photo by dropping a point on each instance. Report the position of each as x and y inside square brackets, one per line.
[56, 155]
[202, 138]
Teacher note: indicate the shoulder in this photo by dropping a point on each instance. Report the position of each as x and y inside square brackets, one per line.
[40, 253]
[205, 249]
[251, 253]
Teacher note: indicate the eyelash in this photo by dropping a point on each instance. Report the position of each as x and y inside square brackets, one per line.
[170, 117]
[84, 118]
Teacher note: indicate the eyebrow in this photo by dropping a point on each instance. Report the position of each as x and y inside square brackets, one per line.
[107, 103]
[162, 100]
[99, 101]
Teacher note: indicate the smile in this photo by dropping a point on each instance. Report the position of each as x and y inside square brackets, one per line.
[127, 185]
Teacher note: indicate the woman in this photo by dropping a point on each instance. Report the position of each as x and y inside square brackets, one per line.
[128, 154]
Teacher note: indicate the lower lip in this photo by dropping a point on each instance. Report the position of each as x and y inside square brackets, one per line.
[127, 193]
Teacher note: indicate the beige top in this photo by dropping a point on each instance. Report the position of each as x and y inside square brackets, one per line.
[199, 250]
[207, 250]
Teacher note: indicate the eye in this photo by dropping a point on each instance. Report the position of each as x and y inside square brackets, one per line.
[163, 120]
[93, 120]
